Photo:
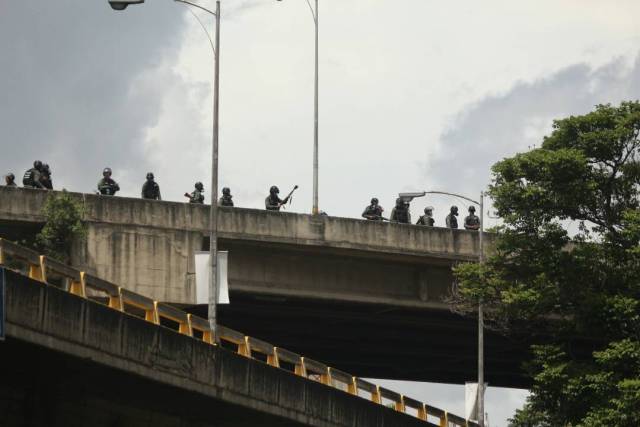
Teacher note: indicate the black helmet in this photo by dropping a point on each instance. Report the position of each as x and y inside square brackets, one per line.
[199, 186]
[428, 209]
[274, 189]
[37, 164]
[11, 176]
[106, 171]
[472, 208]
[454, 208]
[399, 201]
[45, 167]
[150, 175]
[374, 201]
[226, 191]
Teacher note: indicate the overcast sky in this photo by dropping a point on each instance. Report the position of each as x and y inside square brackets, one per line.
[414, 95]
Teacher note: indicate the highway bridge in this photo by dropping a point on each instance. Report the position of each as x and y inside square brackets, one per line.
[366, 297]
[88, 352]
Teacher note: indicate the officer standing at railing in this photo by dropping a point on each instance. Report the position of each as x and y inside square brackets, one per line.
[10, 180]
[427, 218]
[107, 186]
[451, 220]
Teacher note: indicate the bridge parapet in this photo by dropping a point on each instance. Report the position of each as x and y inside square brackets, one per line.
[18, 204]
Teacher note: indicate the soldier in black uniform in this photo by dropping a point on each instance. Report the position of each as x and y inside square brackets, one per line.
[400, 212]
[427, 218]
[471, 221]
[10, 180]
[273, 202]
[451, 220]
[32, 177]
[107, 186]
[150, 188]
[226, 199]
[373, 212]
[45, 177]
[196, 195]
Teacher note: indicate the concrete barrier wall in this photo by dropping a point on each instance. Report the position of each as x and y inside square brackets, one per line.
[147, 246]
[83, 329]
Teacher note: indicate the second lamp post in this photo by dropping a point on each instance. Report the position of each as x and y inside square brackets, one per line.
[213, 213]
[314, 14]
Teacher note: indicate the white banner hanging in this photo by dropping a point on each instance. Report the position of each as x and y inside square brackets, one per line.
[202, 277]
[471, 400]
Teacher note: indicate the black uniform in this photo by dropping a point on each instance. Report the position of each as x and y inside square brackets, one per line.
[226, 200]
[426, 220]
[373, 212]
[472, 222]
[196, 196]
[108, 187]
[151, 190]
[32, 179]
[400, 213]
[45, 177]
[273, 202]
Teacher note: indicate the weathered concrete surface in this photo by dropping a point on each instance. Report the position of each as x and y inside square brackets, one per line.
[147, 246]
[97, 356]
[364, 297]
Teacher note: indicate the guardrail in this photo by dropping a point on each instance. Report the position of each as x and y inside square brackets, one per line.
[84, 285]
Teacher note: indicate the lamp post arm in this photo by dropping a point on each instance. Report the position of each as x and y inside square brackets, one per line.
[452, 194]
[196, 5]
[204, 28]
[313, 13]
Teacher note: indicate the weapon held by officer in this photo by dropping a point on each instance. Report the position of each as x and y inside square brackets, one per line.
[273, 202]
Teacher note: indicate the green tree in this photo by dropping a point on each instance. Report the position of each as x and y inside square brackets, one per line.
[566, 268]
[63, 226]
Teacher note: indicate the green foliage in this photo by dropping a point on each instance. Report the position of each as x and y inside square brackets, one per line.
[63, 226]
[566, 268]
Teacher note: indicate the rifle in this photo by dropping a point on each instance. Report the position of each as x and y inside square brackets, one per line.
[377, 218]
[284, 202]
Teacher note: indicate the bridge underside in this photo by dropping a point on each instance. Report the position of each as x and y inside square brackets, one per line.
[41, 387]
[378, 341]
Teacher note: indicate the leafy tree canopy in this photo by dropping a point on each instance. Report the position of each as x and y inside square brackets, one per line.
[566, 265]
[63, 226]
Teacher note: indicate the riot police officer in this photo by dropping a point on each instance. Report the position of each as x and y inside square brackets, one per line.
[273, 202]
[451, 220]
[226, 199]
[196, 195]
[10, 180]
[45, 177]
[107, 186]
[427, 218]
[150, 188]
[32, 177]
[373, 212]
[400, 213]
[471, 221]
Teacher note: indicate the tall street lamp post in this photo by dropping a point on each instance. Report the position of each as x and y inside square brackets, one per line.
[480, 400]
[213, 213]
[314, 15]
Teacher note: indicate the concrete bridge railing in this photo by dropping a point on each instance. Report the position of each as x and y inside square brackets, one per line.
[22, 204]
[148, 246]
[86, 286]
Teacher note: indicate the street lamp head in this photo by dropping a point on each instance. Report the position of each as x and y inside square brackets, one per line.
[122, 4]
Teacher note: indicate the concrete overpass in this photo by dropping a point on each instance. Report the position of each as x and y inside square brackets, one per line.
[71, 361]
[291, 276]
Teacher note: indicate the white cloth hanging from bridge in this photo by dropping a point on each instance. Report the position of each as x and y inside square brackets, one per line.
[202, 277]
[471, 400]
